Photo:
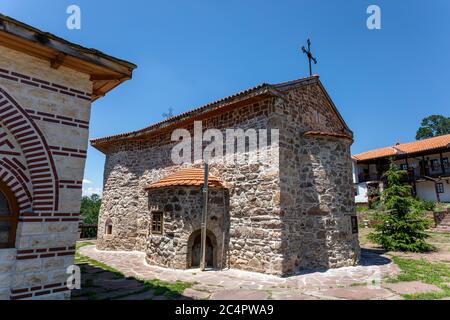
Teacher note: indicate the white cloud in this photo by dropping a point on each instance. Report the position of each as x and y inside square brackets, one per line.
[87, 192]
[86, 181]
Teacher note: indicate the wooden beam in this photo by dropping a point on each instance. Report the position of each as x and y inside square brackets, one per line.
[98, 93]
[56, 62]
[108, 77]
[18, 31]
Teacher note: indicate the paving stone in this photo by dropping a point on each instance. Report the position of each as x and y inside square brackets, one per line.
[116, 294]
[357, 293]
[239, 295]
[118, 284]
[291, 296]
[149, 295]
[412, 287]
[196, 295]
[240, 285]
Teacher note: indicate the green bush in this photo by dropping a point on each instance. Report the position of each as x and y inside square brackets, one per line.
[425, 205]
[90, 208]
[401, 224]
[362, 208]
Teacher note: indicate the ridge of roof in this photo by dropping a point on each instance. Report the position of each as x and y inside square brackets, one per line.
[406, 148]
[264, 88]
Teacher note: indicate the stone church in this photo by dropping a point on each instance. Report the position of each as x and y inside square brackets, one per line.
[47, 85]
[279, 217]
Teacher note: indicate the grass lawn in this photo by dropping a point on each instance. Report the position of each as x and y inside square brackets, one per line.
[435, 273]
[92, 290]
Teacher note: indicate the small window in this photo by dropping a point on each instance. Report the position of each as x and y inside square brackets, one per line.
[109, 227]
[435, 164]
[404, 167]
[157, 222]
[440, 188]
[445, 163]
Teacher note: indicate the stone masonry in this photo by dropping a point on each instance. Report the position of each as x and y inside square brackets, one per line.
[44, 129]
[285, 215]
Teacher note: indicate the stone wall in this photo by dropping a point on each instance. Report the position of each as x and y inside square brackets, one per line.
[253, 188]
[317, 196]
[281, 220]
[182, 208]
[44, 129]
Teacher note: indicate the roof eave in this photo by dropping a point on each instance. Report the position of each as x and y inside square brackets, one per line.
[261, 92]
[106, 71]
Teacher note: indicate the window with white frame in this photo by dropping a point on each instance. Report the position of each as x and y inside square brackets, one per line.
[440, 188]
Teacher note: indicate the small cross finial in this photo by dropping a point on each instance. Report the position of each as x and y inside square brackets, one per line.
[310, 56]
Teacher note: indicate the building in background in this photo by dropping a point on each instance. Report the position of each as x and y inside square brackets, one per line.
[47, 86]
[426, 163]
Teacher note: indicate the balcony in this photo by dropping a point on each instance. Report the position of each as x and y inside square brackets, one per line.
[433, 172]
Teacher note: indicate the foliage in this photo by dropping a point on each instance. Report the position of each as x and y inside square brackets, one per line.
[441, 207]
[425, 205]
[401, 225]
[433, 126]
[428, 272]
[362, 208]
[90, 208]
[170, 290]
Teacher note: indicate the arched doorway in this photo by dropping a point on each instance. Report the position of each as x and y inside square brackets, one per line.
[195, 251]
[9, 215]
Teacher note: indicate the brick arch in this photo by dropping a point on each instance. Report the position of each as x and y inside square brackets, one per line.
[39, 160]
[17, 185]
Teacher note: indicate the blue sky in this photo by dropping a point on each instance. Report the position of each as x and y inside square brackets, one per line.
[193, 52]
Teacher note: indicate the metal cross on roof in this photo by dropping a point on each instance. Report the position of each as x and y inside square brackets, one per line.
[310, 56]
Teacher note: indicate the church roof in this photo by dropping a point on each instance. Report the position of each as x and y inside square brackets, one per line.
[106, 72]
[414, 147]
[186, 177]
[254, 94]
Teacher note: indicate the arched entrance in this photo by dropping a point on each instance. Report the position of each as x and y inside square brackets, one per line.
[194, 250]
[9, 215]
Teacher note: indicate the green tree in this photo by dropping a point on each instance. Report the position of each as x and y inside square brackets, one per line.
[433, 126]
[401, 225]
[90, 208]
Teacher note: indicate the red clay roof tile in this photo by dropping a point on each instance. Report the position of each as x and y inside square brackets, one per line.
[406, 148]
[187, 177]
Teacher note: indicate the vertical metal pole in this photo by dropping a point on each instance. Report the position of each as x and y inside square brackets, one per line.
[204, 218]
[310, 57]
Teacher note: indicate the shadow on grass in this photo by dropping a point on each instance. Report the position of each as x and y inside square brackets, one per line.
[102, 282]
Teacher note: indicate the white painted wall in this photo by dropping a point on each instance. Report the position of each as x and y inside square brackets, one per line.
[355, 171]
[361, 196]
[426, 191]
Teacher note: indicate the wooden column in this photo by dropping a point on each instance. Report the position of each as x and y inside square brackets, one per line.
[438, 197]
[423, 166]
[442, 163]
